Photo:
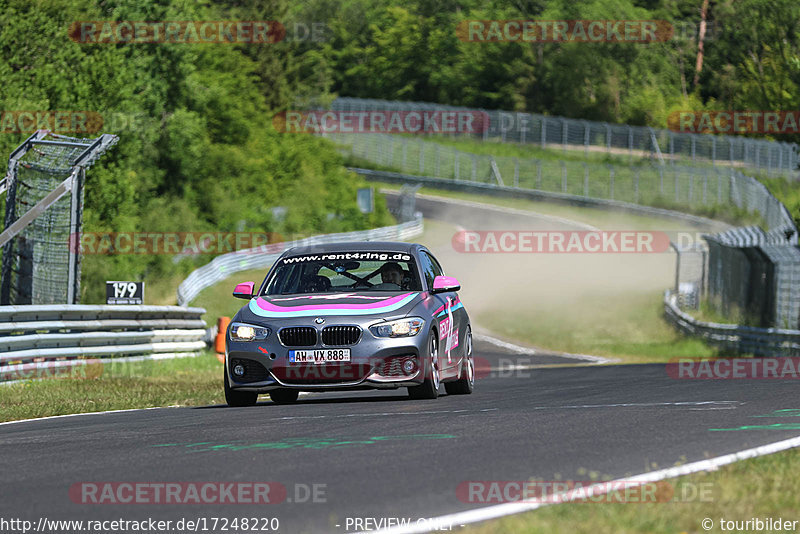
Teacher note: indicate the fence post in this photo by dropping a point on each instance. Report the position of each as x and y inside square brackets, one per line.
[660, 180]
[611, 179]
[676, 172]
[564, 134]
[563, 176]
[585, 179]
[405, 152]
[636, 185]
[544, 132]
[730, 149]
[538, 174]
[608, 137]
[516, 172]
[586, 132]
[436, 171]
[421, 158]
[630, 141]
[457, 164]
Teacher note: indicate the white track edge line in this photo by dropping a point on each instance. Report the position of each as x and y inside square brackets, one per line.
[83, 413]
[500, 510]
[519, 349]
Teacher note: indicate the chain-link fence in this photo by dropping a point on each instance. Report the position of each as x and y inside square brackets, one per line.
[679, 187]
[666, 146]
[691, 278]
[754, 278]
[44, 203]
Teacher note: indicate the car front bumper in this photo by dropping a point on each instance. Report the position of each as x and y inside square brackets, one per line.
[375, 363]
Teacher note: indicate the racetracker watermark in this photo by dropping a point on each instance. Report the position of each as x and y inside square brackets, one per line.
[735, 122]
[29, 121]
[560, 241]
[69, 370]
[176, 31]
[157, 493]
[389, 122]
[581, 491]
[565, 31]
[390, 367]
[171, 243]
[784, 368]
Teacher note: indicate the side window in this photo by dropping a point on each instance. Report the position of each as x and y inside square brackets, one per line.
[427, 269]
[437, 269]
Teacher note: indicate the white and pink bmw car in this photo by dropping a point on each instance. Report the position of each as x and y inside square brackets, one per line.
[364, 315]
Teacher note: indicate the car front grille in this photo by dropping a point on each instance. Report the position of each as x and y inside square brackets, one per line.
[253, 371]
[340, 335]
[298, 336]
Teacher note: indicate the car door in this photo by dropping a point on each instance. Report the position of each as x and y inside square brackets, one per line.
[447, 317]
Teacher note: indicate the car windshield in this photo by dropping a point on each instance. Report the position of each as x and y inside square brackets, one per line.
[344, 272]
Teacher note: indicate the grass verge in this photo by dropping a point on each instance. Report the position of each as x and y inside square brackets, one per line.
[629, 328]
[761, 487]
[116, 385]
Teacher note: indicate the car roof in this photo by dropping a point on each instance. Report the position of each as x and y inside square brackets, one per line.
[356, 246]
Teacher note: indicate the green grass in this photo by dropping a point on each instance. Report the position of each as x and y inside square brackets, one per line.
[637, 181]
[630, 328]
[116, 385]
[757, 488]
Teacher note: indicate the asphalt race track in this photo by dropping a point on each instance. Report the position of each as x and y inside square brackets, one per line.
[380, 455]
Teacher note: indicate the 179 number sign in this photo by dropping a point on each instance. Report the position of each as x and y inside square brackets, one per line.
[124, 292]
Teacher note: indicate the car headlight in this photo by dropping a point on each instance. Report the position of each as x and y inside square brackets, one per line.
[248, 332]
[401, 328]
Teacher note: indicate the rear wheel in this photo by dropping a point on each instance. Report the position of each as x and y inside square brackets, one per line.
[239, 398]
[284, 396]
[429, 389]
[466, 382]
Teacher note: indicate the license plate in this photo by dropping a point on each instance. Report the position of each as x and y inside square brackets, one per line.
[319, 356]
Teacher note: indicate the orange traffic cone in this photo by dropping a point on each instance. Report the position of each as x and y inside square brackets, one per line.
[219, 342]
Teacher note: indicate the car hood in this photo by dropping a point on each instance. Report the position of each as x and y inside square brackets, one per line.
[384, 304]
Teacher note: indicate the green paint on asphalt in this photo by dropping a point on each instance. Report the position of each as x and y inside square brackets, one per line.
[301, 443]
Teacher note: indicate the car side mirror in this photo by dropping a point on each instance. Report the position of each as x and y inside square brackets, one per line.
[442, 284]
[244, 290]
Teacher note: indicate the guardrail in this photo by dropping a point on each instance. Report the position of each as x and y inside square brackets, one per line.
[731, 338]
[225, 265]
[34, 339]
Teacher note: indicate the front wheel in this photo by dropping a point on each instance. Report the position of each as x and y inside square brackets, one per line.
[429, 389]
[466, 382]
[238, 398]
[284, 396]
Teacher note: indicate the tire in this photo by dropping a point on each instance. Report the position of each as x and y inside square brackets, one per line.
[429, 389]
[284, 396]
[466, 382]
[238, 398]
